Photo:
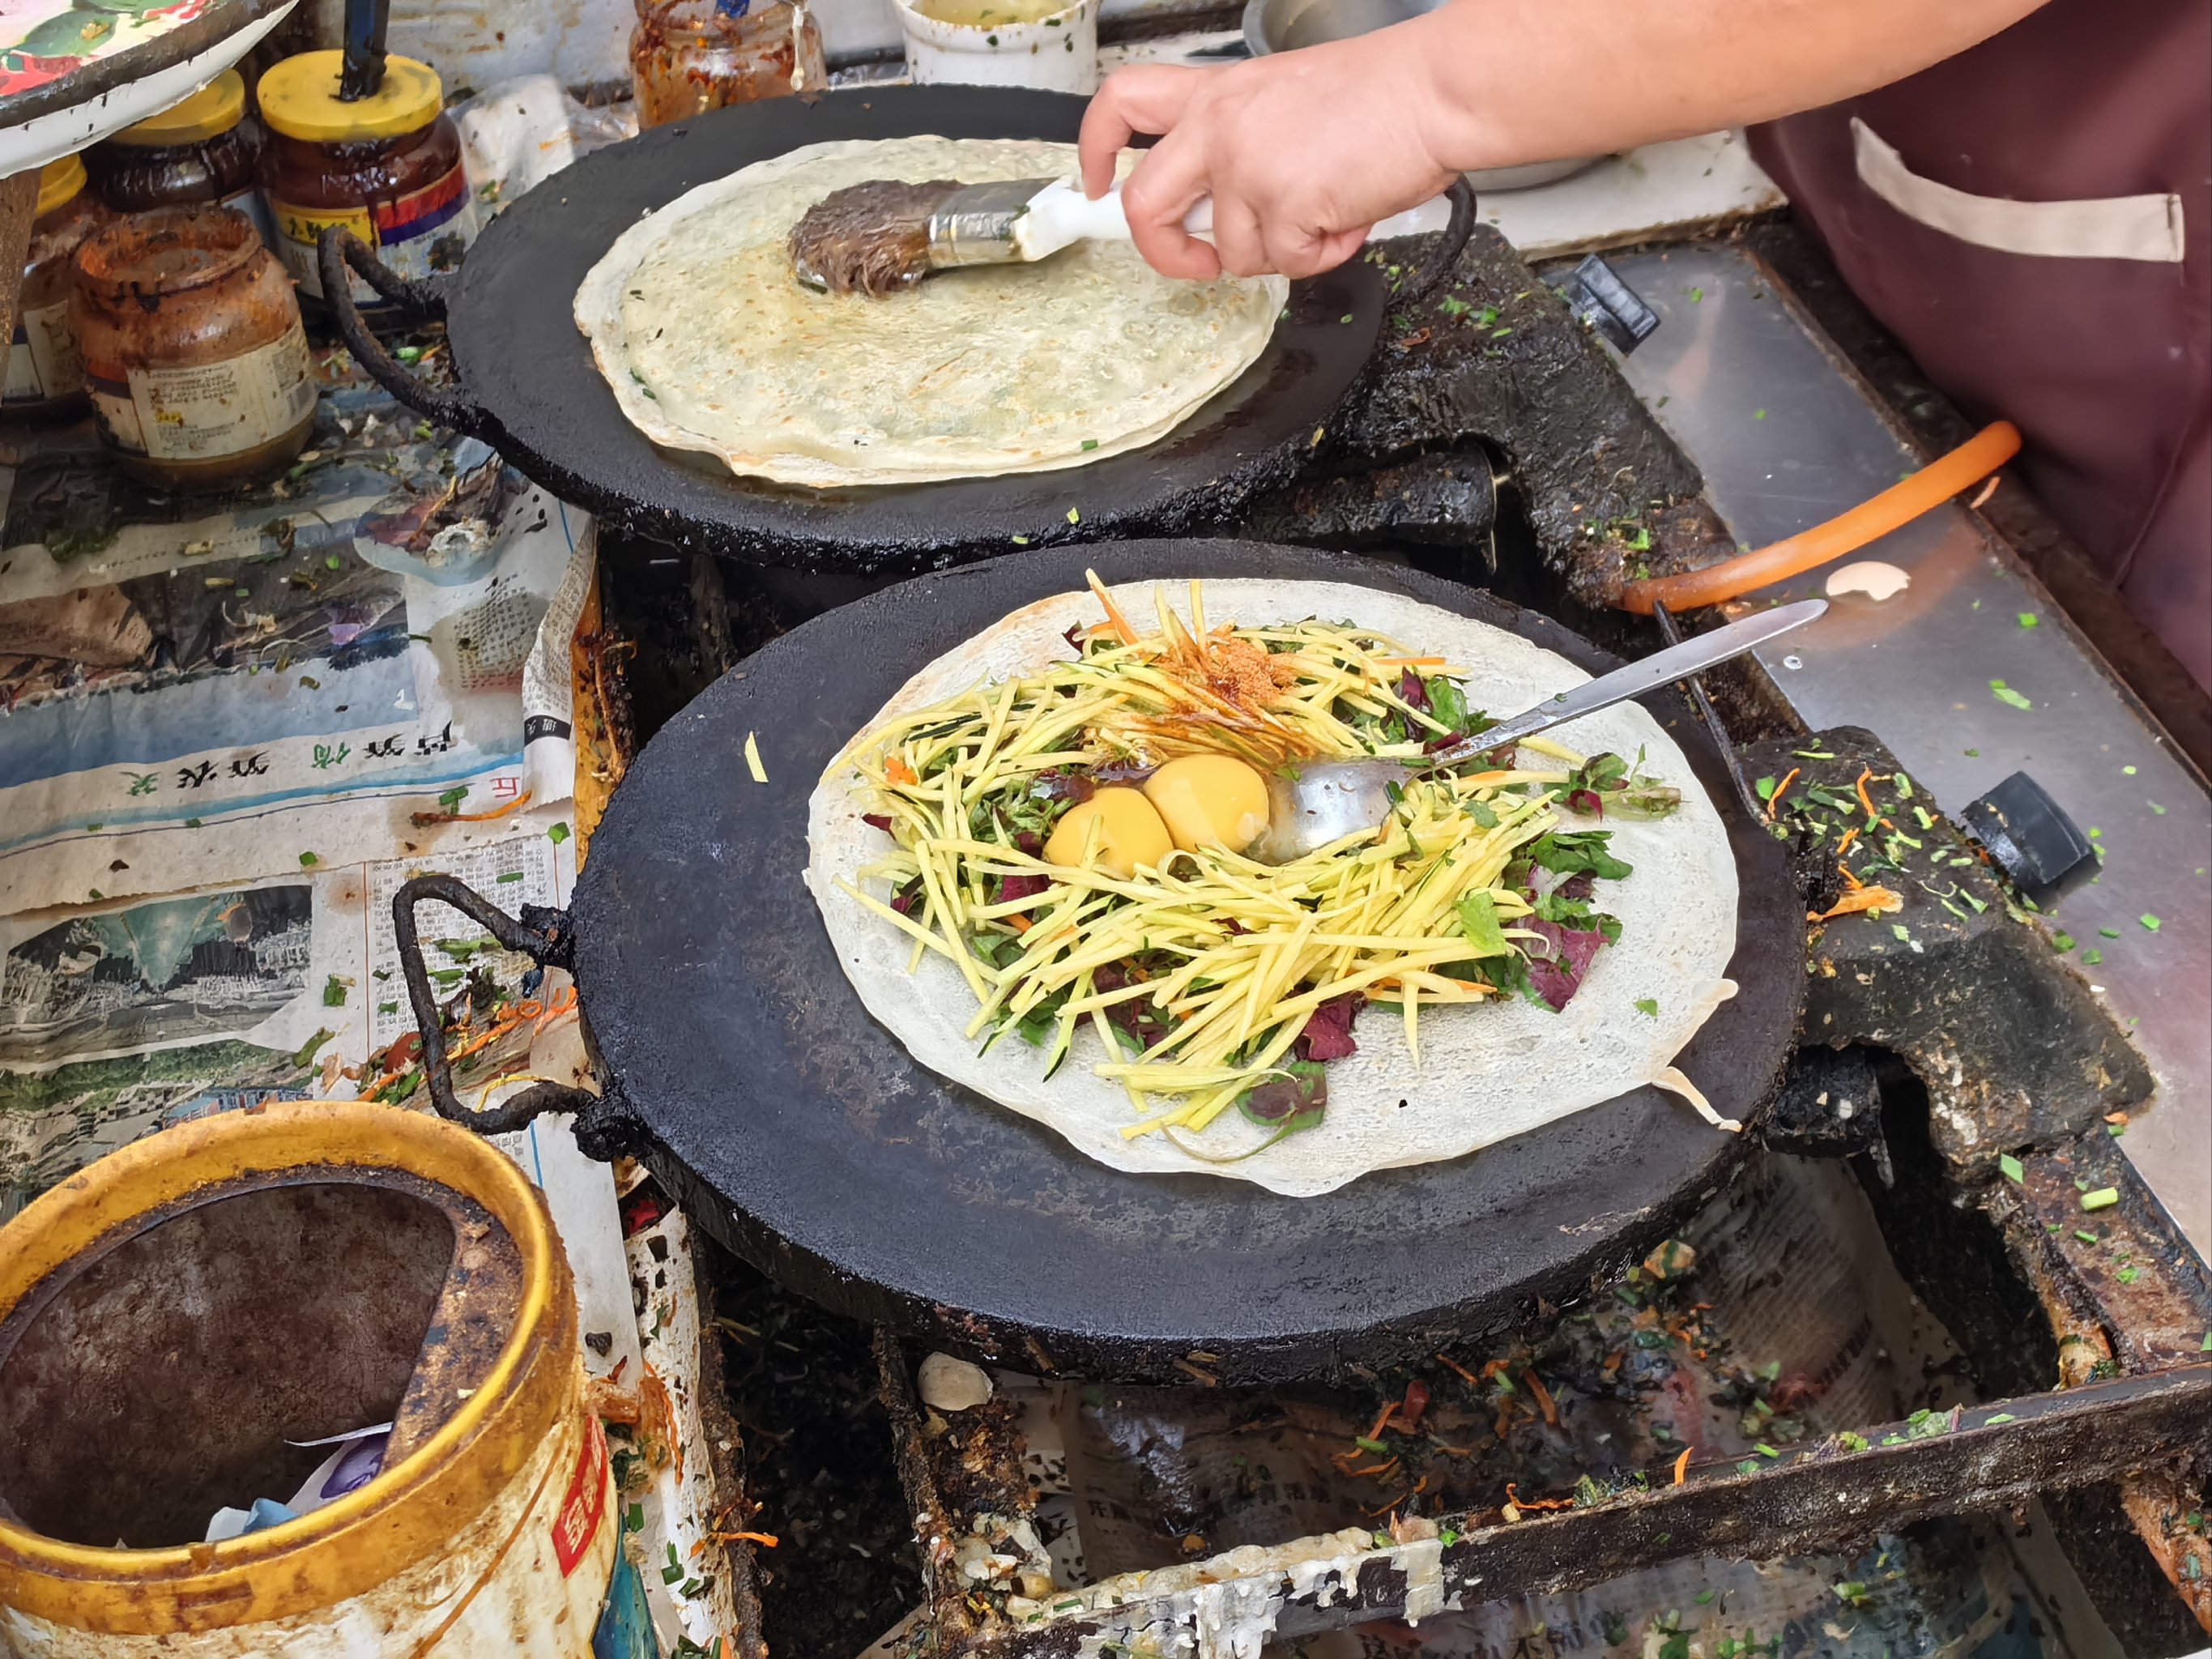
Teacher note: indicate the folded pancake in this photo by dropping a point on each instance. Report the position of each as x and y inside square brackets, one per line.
[1486, 1072]
[710, 344]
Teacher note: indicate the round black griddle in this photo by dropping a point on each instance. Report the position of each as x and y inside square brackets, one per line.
[528, 386]
[799, 1133]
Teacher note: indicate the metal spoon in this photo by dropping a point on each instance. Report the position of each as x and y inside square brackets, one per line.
[1327, 801]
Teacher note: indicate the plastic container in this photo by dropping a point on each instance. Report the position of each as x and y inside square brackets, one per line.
[687, 57]
[388, 167]
[193, 352]
[46, 374]
[204, 151]
[174, 1316]
[1056, 51]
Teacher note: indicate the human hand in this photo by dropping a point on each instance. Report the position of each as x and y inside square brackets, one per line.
[1302, 152]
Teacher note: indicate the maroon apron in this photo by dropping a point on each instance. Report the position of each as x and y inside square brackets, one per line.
[2032, 220]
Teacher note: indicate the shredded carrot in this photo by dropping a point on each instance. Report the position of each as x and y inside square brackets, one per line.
[1376, 1469]
[1520, 1502]
[1682, 1467]
[1119, 623]
[1780, 790]
[1849, 880]
[1381, 1418]
[898, 771]
[1447, 1359]
[765, 1540]
[1544, 1402]
[1844, 844]
[1873, 815]
[1409, 662]
[1859, 898]
[1020, 924]
[514, 805]
[1492, 1368]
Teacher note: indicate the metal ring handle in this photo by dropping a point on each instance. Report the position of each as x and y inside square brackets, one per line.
[337, 249]
[1456, 234]
[544, 936]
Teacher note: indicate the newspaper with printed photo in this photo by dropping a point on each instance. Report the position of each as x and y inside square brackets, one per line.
[119, 1020]
[190, 693]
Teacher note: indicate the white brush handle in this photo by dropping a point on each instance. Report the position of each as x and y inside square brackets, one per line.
[1060, 215]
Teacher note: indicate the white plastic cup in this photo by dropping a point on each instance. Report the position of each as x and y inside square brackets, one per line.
[1058, 53]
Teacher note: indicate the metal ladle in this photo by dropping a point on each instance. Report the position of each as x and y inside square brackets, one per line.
[1325, 801]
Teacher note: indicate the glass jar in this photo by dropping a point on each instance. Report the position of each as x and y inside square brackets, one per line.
[204, 150]
[687, 57]
[193, 352]
[45, 376]
[387, 167]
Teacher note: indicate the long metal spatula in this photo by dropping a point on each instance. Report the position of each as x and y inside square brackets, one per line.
[1327, 801]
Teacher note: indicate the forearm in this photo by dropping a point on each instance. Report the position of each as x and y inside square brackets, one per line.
[1505, 81]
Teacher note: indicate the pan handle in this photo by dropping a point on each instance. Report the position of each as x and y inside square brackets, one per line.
[605, 1127]
[337, 248]
[1457, 231]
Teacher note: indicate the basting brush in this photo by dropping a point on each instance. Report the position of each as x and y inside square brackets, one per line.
[883, 236]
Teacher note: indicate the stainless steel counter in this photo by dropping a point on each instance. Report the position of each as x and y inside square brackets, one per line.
[1787, 438]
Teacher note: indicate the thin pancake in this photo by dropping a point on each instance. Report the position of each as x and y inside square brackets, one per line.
[1485, 1073]
[710, 344]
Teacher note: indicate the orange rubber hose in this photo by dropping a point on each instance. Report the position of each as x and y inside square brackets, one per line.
[1902, 502]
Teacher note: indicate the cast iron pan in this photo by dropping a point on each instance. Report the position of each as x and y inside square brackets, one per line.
[527, 384]
[739, 1064]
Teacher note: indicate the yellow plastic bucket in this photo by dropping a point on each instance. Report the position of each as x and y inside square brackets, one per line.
[267, 1265]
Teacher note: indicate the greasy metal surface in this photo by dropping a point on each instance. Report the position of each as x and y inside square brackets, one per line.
[159, 1377]
[1785, 440]
[2003, 1030]
[802, 1134]
[520, 353]
[1809, 1500]
[1496, 356]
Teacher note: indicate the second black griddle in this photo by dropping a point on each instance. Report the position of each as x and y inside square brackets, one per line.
[738, 1062]
[527, 383]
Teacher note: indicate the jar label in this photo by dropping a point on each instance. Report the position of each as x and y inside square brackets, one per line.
[420, 234]
[43, 363]
[206, 411]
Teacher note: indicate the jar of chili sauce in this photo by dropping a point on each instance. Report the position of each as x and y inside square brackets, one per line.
[387, 167]
[45, 376]
[193, 352]
[204, 150]
[687, 57]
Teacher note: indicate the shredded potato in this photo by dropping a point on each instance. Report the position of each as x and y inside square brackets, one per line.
[1248, 951]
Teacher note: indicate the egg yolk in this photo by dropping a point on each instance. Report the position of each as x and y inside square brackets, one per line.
[1210, 800]
[1130, 833]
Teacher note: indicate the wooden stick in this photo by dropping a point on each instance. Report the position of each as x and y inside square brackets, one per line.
[19, 206]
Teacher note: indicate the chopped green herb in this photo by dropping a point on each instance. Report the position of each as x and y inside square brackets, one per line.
[2085, 1235]
[2103, 1198]
[1074, 517]
[2062, 941]
[510, 875]
[334, 991]
[1648, 1005]
[557, 834]
[2009, 1166]
[1765, 788]
[2092, 957]
[2127, 1275]
[2005, 694]
[1758, 413]
[1090, 444]
[2148, 921]
[2000, 1416]
[2109, 932]
[1697, 297]
[308, 860]
[2029, 619]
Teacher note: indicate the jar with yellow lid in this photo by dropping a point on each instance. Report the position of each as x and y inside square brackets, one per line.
[387, 167]
[45, 376]
[193, 352]
[204, 150]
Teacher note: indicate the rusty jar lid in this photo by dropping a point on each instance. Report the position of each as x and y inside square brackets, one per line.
[167, 251]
